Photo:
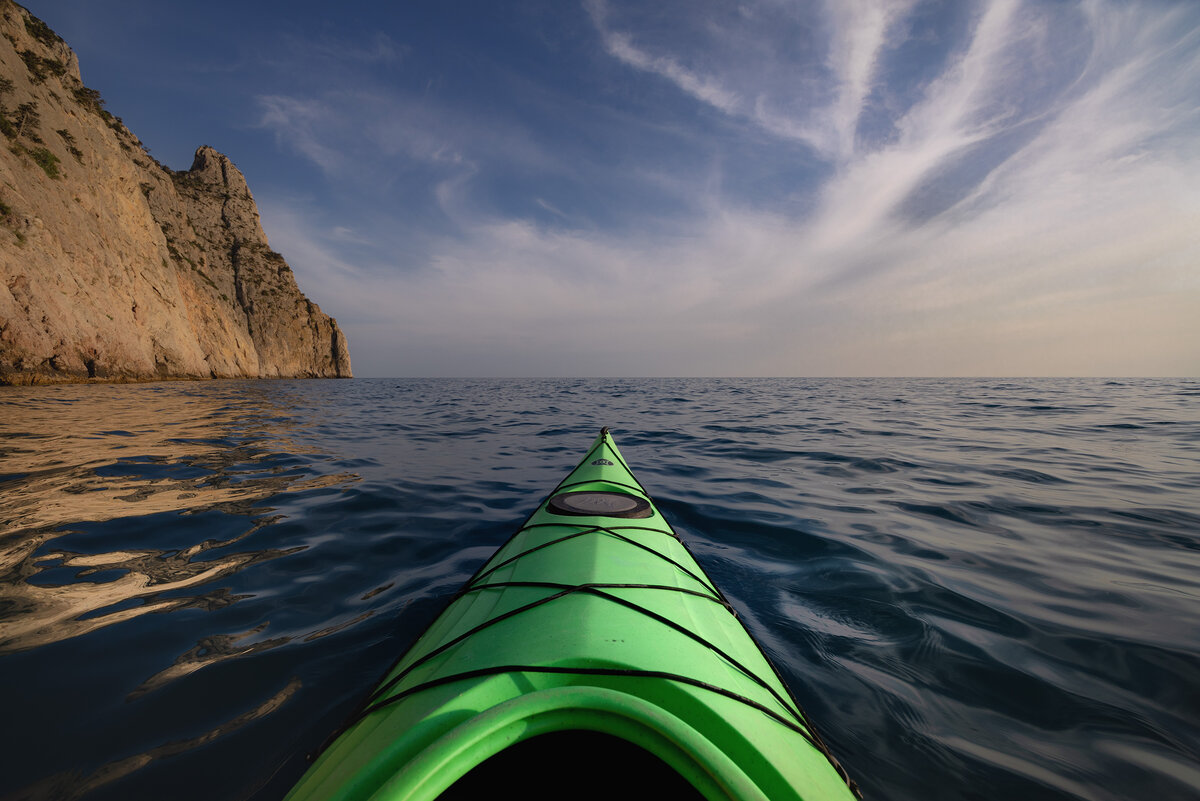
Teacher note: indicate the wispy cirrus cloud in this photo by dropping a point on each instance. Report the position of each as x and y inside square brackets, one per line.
[858, 32]
[706, 89]
[300, 123]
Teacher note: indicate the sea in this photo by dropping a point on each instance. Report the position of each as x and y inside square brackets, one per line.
[977, 588]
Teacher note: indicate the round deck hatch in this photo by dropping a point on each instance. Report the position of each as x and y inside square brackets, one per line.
[600, 504]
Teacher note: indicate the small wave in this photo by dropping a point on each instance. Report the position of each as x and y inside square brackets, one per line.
[1027, 475]
[940, 511]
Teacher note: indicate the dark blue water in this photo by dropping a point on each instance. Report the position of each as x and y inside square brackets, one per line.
[979, 589]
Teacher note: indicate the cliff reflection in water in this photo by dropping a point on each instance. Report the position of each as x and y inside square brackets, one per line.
[86, 472]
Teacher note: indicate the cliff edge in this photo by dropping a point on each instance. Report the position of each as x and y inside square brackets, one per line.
[114, 267]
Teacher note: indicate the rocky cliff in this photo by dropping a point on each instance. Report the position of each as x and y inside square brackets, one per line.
[115, 267]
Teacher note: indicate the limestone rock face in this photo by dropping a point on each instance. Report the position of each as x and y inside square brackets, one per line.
[113, 266]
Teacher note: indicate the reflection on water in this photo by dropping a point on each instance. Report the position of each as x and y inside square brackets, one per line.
[209, 650]
[115, 457]
[41, 614]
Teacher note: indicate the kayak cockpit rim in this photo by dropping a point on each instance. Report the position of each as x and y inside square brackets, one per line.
[706, 767]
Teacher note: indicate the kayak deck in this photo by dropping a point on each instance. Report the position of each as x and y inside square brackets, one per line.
[592, 619]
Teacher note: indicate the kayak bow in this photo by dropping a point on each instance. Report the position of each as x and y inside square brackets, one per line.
[591, 646]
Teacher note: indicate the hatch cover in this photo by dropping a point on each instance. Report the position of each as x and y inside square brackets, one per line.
[600, 504]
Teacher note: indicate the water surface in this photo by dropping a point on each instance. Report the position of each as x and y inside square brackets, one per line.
[977, 588]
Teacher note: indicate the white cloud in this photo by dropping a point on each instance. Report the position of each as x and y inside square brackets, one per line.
[860, 32]
[705, 89]
[300, 125]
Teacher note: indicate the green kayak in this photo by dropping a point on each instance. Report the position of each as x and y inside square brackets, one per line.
[590, 657]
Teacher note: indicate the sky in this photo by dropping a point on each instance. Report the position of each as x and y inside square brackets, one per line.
[697, 188]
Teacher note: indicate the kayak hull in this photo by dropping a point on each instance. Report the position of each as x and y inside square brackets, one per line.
[593, 617]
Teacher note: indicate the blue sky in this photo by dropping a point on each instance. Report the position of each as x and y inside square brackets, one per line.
[550, 187]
